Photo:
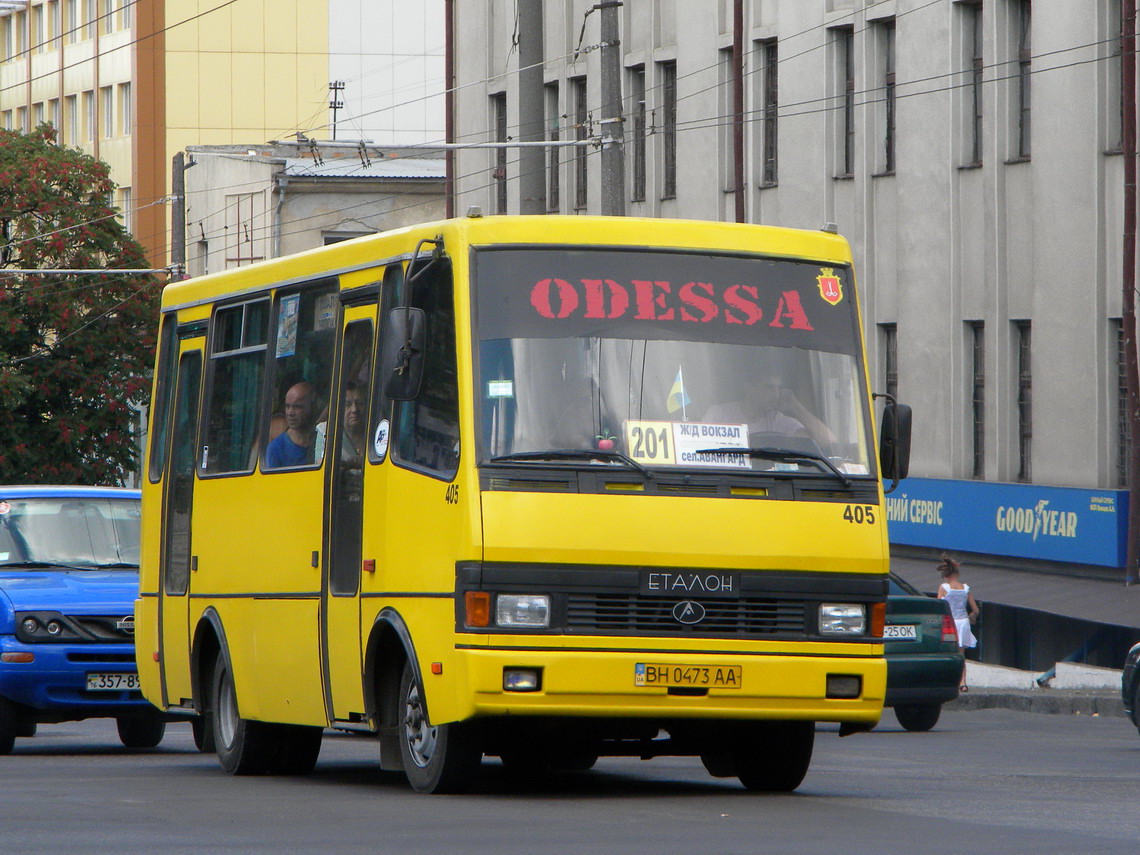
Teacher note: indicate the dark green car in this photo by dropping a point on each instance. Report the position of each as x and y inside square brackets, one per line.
[924, 664]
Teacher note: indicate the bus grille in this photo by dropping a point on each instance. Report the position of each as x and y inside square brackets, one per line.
[635, 614]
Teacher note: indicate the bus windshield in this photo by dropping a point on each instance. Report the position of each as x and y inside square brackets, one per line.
[670, 359]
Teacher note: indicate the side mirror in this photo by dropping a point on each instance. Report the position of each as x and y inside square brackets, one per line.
[894, 442]
[404, 337]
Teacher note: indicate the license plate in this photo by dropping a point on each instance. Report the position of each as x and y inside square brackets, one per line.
[696, 676]
[118, 682]
[900, 632]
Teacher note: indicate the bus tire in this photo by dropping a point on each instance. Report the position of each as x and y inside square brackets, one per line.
[244, 747]
[202, 726]
[437, 759]
[297, 748]
[773, 757]
[918, 718]
[141, 730]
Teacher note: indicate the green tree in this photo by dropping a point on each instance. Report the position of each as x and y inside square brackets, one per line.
[75, 350]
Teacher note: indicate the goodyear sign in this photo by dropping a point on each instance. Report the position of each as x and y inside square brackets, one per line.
[1062, 524]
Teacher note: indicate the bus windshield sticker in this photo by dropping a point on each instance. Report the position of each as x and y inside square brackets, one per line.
[380, 440]
[287, 326]
[658, 443]
[501, 389]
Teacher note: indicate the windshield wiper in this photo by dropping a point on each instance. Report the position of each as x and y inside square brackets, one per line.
[783, 454]
[572, 454]
[119, 565]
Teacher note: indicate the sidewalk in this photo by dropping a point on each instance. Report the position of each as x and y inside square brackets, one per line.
[1074, 690]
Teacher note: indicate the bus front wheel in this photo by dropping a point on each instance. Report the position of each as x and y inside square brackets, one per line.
[437, 758]
[766, 756]
[244, 747]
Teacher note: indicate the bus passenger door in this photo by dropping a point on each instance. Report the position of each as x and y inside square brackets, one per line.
[344, 517]
[178, 507]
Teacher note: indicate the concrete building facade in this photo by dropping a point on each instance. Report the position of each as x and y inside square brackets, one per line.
[968, 149]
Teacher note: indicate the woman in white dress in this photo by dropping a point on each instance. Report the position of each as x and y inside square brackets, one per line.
[963, 608]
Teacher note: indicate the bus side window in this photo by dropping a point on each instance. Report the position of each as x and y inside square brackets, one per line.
[237, 367]
[427, 429]
[164, 390]
[305, 326]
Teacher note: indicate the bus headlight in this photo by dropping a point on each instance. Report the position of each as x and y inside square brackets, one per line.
[842, 619]
[522, 610]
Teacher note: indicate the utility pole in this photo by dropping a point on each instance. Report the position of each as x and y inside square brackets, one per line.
[1128, 306]
[178, 216]
[532, 161]
[613, 139]
[738, 108]
[336, 88]
[449, 105]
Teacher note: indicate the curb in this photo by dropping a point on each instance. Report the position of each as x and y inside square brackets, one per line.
[1047, 701]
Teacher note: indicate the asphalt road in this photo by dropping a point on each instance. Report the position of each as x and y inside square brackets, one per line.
[992, 781]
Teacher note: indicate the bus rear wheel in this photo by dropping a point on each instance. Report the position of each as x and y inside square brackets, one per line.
[244, 747]
[437, 758]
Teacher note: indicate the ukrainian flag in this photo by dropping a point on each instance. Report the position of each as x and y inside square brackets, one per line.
[677, 399]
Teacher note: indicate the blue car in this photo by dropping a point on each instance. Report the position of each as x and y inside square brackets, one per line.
[69, 576]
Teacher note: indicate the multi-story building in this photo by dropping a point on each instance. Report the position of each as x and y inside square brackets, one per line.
[135, 81]
[970, 151]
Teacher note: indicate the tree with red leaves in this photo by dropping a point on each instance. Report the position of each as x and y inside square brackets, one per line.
[75, 350]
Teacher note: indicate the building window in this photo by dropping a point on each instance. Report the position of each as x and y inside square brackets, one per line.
[889, 339]
[37, 114]
[845, 45]
[769, 112]
[669, 129]
[126, 202]
[1022, 25]
[975, 70]
[6, 120]
[108, 16]
[245, 217]
[638, 116]
[725, 146]
[90, 19]
[22, 119]
[1123, 428]
[125, 111]
[978, 395]
[581, 131]
[39, 23]
[54, 116]
[553, 160]
[72, 119]
[107, 97]
[1024, 401]
[887, 43]
[89, 115]
[499, 114]
[55, 30]
[72, 21]
[1114, 96]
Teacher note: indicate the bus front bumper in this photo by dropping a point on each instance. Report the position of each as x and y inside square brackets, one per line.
[636, 684]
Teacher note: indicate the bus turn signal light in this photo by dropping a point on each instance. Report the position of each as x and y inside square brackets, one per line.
[477, 606]
[878, 619]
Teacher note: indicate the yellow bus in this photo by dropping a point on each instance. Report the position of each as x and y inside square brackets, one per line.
[536, 488]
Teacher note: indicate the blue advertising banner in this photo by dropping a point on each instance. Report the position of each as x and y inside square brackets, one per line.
[1063, 524]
